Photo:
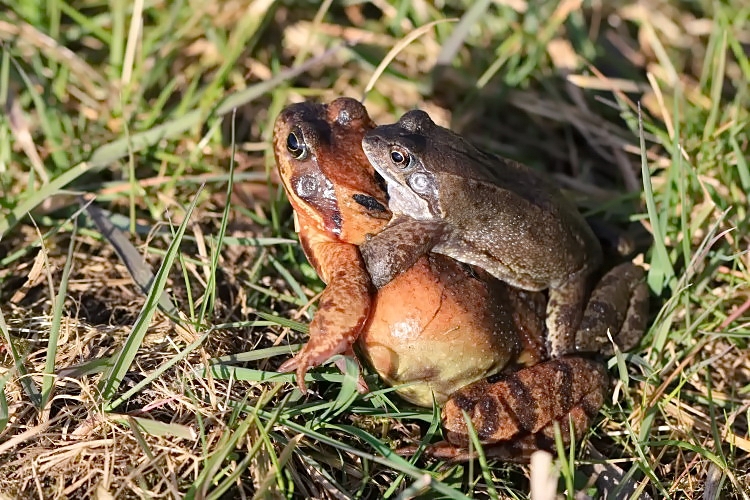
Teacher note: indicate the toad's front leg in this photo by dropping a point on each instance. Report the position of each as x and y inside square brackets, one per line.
[396, 248]
[343, 308]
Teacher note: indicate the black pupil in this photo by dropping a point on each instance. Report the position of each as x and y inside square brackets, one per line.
[397, 157]
[292, 143]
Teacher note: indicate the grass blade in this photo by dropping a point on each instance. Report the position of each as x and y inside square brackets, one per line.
[18, 361]
[661, 270]
[155, 374]
[127, 253]
[207, 305]
[124, 358]
[54, 332]
[109, 153]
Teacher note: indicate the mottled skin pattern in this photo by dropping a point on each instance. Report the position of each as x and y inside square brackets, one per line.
[620, 298]
[439, 325]
[483, 210]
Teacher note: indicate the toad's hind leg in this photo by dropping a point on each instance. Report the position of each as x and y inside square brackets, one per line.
[517, 411]
[521, 448]
[564, 312]
[618, 304]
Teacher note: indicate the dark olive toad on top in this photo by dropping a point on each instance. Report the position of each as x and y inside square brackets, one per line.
[482, 210]
[440, 327]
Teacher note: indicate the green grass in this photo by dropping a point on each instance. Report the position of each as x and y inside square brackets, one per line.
[139, 353]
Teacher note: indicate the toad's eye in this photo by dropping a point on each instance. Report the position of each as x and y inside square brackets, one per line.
[400, 157]
[296, 146]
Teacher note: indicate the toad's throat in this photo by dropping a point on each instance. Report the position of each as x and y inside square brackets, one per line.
[403, 201]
